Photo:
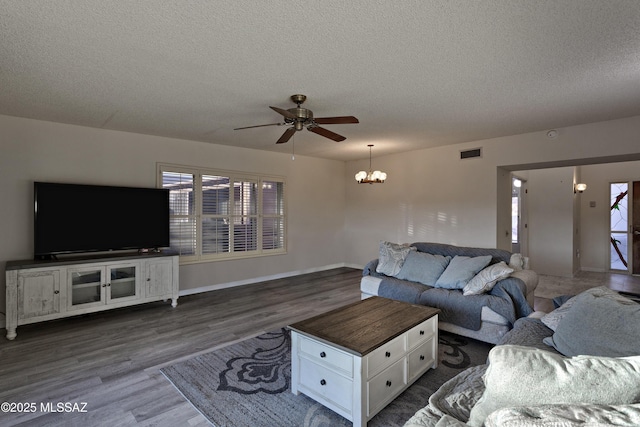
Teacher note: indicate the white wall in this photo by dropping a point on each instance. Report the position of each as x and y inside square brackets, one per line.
[576, 230]
[432, 195]
[33, 150]
[551, 221]
[429, 195]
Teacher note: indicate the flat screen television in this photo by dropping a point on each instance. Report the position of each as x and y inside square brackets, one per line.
[75, 218]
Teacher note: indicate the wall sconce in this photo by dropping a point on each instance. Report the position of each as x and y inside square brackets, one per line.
[579, 188]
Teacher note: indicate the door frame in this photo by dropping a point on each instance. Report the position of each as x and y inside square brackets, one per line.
[634, 227]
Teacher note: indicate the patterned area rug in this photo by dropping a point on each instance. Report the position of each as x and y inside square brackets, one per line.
[247, 384]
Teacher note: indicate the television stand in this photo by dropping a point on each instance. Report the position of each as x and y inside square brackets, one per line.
[41, 290]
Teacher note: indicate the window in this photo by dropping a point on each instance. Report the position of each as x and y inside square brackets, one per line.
[221, 214]
[619, 225]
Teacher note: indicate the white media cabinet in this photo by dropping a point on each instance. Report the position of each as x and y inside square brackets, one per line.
[38, 291]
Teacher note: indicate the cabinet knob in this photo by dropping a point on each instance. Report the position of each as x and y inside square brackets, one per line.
[421, 332]
[421, 357]
[387, 354]
[323, 382]
[104, 285]
[388, 383]
[56, 292]
[323, 354]
[148, 279]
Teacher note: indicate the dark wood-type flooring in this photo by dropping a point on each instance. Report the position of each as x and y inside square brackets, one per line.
[111, 360]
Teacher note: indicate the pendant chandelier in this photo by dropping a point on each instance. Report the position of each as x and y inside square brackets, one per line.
[375, 177]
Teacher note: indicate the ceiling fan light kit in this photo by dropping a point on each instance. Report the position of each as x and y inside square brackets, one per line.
[371, 177]
[299, 118]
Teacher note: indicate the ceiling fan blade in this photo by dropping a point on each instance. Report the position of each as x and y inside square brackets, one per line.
[259, 126]
[285, 113]
[335, 120]
[286, 136]
[326, 133]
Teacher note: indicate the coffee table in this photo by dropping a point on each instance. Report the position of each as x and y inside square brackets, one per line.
[356, 359]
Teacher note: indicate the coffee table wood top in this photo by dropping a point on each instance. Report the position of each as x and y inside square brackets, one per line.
[363, 326]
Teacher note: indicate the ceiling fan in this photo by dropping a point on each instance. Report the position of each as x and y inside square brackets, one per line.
[299, 118]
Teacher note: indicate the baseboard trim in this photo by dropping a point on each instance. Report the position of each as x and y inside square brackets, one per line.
[253, 280]
[593, 270]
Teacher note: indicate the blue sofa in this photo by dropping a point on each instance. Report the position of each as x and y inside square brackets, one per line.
[486, 317]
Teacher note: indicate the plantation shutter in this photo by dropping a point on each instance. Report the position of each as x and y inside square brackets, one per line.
[182, 219]
[222, 215]
[245, 216]
[272, 215]
[215, 214]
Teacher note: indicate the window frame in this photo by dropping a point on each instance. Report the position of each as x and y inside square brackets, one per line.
[234, 177]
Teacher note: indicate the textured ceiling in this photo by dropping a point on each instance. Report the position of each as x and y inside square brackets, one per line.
[416, 73]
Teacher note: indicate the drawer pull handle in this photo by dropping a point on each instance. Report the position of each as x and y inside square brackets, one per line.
[387, 354]
[421, 357]
[388, 383]
[323, 382]
[421, 332]
[323, 354]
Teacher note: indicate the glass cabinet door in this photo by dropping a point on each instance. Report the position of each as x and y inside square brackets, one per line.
[86, 286]
[123, 282]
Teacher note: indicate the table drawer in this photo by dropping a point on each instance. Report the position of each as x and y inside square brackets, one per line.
[421, 359]
[328, 356]
[384, 387]
[327, 384]
[423, 331]
[385, 355]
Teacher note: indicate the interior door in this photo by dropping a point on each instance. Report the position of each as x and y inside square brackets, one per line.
[635, 227]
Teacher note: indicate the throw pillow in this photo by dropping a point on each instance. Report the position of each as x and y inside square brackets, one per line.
[552, 320]
[423, 267]
[460, 270]
[600, 322]
[525, 376]
[516, 262]
[487, 278]
[391, 257]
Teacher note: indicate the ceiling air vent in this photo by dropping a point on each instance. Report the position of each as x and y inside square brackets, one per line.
[470, 154]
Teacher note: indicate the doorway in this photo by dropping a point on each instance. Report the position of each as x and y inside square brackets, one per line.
[635, 236]
[625, 227]
[519, 221]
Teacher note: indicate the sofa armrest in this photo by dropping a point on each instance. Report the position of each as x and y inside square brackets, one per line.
[530, 280]
[370, 268]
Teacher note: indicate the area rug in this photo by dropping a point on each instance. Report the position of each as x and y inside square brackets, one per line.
[248, 384]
